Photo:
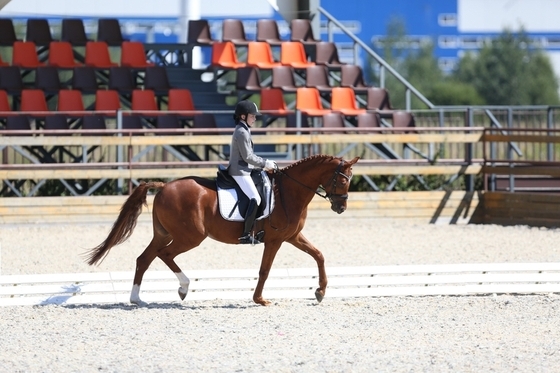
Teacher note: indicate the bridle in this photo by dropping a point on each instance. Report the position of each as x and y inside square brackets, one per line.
[331, 196]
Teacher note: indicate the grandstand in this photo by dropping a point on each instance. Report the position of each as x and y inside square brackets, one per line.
[84, 94]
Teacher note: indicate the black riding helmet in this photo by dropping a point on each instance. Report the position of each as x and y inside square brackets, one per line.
[245, 107]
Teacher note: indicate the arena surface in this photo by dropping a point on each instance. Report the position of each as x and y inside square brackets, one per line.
[500, 333]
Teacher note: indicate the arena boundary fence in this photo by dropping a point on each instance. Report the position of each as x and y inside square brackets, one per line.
[428, 207]
[344, 282]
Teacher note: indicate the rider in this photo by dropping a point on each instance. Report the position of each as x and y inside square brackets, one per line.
[242, 160]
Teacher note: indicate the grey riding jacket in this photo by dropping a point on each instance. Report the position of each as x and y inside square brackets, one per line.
[242, 159]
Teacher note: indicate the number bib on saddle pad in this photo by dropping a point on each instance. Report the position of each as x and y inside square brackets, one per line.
[233, 208]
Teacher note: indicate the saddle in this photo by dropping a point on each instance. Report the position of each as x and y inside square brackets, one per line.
[233, 203]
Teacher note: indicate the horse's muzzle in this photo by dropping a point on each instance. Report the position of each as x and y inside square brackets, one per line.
[338, 208]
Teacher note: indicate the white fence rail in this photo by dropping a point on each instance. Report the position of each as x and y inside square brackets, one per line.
[345, 282]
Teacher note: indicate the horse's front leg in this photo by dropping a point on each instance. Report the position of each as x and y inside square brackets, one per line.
[269, 253]
[303, 244]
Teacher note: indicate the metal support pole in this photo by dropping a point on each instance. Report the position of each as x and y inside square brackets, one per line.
[469, 149]
[550, 125]
[510, 151]
[120, 181]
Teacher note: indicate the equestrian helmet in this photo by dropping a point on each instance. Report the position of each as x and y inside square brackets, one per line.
[246, 107]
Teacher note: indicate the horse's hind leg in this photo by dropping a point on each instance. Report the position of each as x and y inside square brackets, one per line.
[168, 254]
[304, 245]
[142, 264]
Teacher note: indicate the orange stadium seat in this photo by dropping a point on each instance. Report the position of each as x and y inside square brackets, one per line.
[292, 54]
[224, 56]
[259, 54]
[343, 100]
[308, 101]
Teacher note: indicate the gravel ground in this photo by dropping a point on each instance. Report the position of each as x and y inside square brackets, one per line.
[397, 334]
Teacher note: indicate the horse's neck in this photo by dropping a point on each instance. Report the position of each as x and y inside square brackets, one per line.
[306, 178]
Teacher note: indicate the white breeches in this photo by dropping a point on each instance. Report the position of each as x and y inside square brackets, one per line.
[248, 187]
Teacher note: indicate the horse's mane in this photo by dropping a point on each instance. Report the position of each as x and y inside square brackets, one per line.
[316, 156]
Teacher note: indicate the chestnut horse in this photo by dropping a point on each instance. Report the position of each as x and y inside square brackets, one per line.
[185, 212]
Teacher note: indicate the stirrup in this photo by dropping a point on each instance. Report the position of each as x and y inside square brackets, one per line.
[249, 239]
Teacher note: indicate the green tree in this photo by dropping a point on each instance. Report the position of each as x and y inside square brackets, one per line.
[419, 67]
[507, 71]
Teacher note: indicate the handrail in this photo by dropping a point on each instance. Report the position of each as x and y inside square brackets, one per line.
[380, 60]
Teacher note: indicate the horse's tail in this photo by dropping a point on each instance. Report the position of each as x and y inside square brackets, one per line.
[125, 223]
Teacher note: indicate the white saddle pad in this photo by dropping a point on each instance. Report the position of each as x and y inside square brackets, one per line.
[227, 201]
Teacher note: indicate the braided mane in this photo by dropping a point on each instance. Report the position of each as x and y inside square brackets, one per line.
[316, 156]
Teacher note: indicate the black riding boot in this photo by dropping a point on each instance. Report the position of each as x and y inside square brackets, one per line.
[250, 217]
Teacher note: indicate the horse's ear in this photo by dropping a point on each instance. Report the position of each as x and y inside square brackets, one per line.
[354, 160]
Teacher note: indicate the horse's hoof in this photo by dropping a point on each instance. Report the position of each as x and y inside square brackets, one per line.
[262, 302]
[138, 302]
[319, 295]
[181, 294]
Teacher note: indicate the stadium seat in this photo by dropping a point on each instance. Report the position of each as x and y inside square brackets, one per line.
[267, 31]
[343, 100]
[39, 32]
[352, 76]
[259, 54]
[18, 123]
[168, 121]
[273, 103]
[121, 79]
[233, 31]
[73, 31]
[109, 31]
[333, 120]
[204, 120]
[25, 55]
[33, 100]
[47, 79]
[107, 100]
[247, 82]
[56, 122]
[224, 56]
[317, 77]
[133, 55]
[11, 80]
[292, 54]
[180, 99]
[4, 102]
[70, 100]
[61, 55]
[283, 78]
[403, 119]
[97, 55]
[7, 32]
[378, 99]
[84, 79]
[302, 32]
[94, 122]
[326, 54]
[144, 100]
[157, 80]
[308, 101]
[199, 33]
[368, 119]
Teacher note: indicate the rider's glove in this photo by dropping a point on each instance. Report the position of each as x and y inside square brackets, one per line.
[270, 165]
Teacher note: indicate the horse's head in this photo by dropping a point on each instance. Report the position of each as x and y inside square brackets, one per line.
[336, 188]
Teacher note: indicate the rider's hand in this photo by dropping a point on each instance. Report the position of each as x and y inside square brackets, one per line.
[270, 165]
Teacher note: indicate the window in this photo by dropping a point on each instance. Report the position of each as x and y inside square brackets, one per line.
[447, 20]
